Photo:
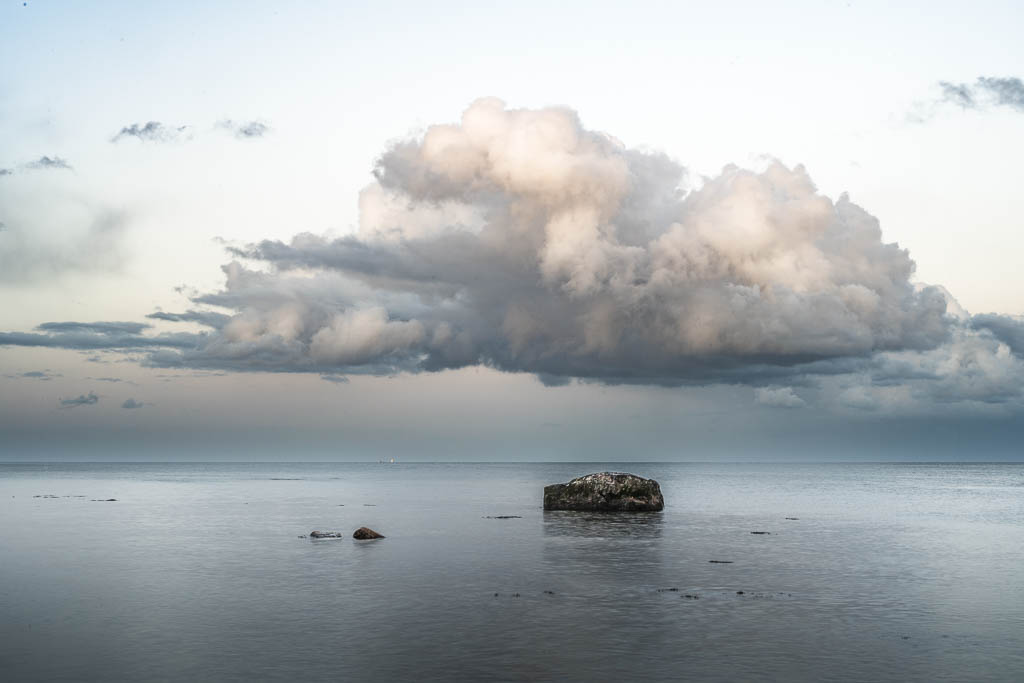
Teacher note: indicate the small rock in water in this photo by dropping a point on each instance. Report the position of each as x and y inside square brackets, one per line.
[549, 592]
[720, 561]
[504, 517]
[691, 597]
[365, 534]
[793, 518]
[739, 592]
[326, 534]
[668, 590]
[761, 533]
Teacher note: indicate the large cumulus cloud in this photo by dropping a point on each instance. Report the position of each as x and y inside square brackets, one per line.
[520, 240]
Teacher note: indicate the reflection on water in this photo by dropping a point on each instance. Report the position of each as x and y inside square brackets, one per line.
[603, 524]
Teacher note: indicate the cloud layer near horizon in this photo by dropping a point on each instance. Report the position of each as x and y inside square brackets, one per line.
[520, 240]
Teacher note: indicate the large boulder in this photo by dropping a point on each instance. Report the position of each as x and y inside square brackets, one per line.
[366, 534]
[605, 492]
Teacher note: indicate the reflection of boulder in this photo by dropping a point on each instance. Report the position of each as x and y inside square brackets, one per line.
[600, 525]
[605, 492]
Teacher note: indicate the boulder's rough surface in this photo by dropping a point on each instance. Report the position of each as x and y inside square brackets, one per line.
[365, 534]
[605, 492]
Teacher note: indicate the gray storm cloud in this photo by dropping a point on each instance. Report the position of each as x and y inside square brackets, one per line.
[520, 240]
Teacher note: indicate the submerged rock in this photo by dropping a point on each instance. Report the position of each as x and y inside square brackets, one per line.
[605, 492]
[365, 534]
[326, 534]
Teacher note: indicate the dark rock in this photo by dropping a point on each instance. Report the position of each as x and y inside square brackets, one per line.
[761, 533]
[668, 590]
[720, 561]
[605, 492]
[326, 534]
[365, 534]
[549, 592]
[793, 518]
[739, 592]
[504, 517]
[691, 597]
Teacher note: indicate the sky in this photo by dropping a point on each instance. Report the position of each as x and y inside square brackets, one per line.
[450, 231]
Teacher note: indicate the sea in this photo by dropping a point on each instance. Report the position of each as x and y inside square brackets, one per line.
[206, 572]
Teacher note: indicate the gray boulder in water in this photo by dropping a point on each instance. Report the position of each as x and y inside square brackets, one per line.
[605, 492]
[326, 534]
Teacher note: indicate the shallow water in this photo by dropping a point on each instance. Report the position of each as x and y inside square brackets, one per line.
[197, 572]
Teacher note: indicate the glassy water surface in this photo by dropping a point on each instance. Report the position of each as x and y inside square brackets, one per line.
[890, 572]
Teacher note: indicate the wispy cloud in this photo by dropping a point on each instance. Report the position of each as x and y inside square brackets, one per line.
[985, 93]
[156, 131]
[47, 163]
[42, 375]
[98, 336]
[132, 404]
[778, 397]
[82, 400]
[151, 131]
[244, 129]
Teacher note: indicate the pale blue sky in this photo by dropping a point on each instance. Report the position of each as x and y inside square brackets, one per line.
[849, 90]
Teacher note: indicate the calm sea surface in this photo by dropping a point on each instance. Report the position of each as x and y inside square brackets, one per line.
[891, 572]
